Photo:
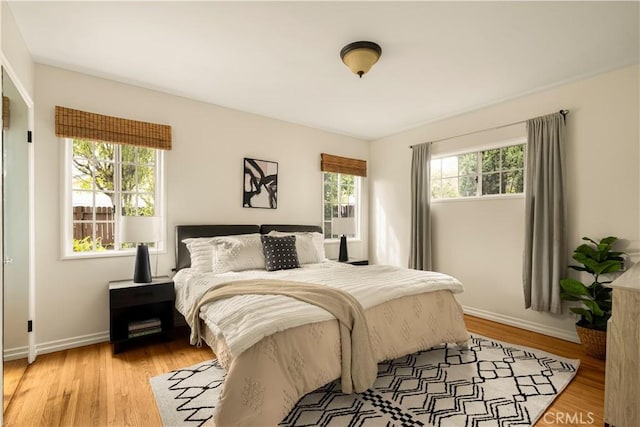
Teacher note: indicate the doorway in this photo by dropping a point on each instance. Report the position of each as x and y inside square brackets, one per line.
[16, 236]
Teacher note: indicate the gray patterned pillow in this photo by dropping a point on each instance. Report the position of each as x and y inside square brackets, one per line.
[279, 252]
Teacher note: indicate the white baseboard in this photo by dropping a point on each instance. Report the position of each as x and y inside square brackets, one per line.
[15, 353]
[67, 343]
[523, 324]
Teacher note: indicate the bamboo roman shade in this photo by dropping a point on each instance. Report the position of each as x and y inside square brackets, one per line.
[72, 123]
[331, 163]
[6, 113]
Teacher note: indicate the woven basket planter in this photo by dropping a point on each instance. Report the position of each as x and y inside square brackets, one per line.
[595, 341]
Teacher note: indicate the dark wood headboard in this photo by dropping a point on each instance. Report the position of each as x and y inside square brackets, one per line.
[266, 228]
[183, 259]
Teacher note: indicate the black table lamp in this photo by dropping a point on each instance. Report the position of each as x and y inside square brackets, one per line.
[343, 226]
[141, 230]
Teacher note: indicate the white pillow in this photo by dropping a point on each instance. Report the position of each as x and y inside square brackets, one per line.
[237, 253]
[201, 253]
[309, 245]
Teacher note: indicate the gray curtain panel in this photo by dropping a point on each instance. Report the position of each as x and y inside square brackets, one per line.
[545, 214]
[420, 252]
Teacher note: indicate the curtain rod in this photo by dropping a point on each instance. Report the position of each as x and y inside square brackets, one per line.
[563, 112]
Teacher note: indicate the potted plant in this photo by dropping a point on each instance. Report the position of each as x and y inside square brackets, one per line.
[596, 259]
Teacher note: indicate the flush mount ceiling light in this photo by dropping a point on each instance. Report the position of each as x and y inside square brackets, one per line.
[360, 56]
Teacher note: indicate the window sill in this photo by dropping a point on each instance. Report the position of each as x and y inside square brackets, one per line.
[480, 198]
[108, 254]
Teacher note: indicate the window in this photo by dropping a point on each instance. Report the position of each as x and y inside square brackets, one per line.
[481, 173]
[104, 178]
[341, 200]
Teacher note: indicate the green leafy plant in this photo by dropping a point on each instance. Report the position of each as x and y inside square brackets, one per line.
[86, 244]
[597, 258]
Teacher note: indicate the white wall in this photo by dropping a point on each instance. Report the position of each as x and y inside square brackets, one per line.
[204, 172]
[15, 51]
[481, 241]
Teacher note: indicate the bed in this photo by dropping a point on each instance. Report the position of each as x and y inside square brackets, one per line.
[276, 349]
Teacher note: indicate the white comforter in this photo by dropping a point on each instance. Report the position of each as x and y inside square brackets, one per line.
[245, 320]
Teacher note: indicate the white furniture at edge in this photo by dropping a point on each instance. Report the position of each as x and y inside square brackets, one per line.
[622, 372]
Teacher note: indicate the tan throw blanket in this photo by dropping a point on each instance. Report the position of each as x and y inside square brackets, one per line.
[359, 368]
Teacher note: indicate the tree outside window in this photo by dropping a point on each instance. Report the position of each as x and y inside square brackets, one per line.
[107, 178]
[340, 199]
[481, 173]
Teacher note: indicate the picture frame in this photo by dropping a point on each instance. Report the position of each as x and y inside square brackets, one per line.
[260, 184]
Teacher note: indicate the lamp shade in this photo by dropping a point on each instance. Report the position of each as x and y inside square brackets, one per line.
[345, 225]
[139, 229]
[360, 56]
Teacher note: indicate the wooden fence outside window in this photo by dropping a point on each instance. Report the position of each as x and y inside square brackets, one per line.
[104, 222]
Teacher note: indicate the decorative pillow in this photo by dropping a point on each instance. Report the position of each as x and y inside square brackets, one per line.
[280, 252]
[309, 245]
[237, 253]
[201, 253]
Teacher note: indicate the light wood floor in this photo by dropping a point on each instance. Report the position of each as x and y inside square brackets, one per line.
[12, 374]
[89, 386]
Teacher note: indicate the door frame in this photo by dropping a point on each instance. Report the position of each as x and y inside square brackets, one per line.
[6, 65]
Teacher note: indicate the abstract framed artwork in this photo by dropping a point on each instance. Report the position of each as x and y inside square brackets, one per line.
[260, 184]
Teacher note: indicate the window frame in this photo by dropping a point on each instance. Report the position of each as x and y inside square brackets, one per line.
[357, 183]
[479, 149]
[160, 207]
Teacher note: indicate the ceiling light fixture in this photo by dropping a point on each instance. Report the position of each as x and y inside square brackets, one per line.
[360, 56]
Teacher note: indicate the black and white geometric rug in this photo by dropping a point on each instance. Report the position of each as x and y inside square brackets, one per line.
[490, 384]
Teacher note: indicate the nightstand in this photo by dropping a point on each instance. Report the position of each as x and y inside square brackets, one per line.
[140, 310]
[355, 261]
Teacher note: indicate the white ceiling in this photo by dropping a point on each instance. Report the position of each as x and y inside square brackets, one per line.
[281, 59]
